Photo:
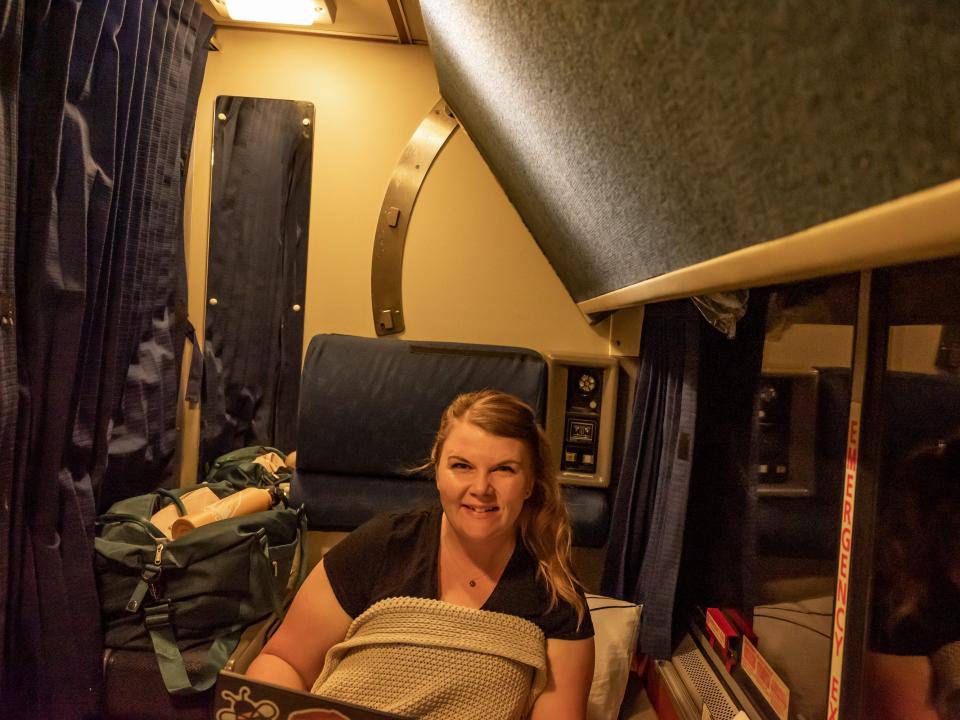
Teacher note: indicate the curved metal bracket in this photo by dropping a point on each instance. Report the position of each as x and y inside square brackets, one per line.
[412, 168]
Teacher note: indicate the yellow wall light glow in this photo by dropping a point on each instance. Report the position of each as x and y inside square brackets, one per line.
[281, 12]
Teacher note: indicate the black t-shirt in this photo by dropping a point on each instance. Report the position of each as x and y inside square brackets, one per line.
[395, 555]
[936, 622]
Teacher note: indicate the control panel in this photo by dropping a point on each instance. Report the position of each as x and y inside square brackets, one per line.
[773, 422]
[580, 417]
[785, 421]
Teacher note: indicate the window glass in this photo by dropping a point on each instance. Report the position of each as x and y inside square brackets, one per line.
[913, 659]
[766, 491]
[801, 408]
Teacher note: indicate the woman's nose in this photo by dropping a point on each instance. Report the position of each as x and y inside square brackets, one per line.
[480, 484]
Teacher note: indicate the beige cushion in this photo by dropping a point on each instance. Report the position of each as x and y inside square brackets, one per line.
[615, 624]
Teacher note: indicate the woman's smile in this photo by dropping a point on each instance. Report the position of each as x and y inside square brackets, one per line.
[482, 509]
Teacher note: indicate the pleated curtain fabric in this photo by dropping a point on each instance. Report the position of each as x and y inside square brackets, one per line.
[106, 90]
[650, 503]
[11, 33]
[720, 540]
[152, 317]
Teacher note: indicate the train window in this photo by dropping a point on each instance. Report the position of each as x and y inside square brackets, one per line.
[799, 433]
[760, 554]
[912, 663]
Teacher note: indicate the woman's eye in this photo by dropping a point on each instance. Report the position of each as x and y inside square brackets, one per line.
[505, 469]
[459, 466]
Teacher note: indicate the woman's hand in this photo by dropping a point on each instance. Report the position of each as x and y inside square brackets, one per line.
[569, 676]
[314, 623]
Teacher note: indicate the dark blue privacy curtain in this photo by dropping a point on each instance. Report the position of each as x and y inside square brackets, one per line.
[256, 270]
[152, 309]
[11, 32]
[720, 538]
[650, 505]
[108, 93]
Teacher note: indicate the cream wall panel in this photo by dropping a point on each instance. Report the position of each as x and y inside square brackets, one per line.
[803, 346]
[914, 348]
[472, 271]
[911, 348]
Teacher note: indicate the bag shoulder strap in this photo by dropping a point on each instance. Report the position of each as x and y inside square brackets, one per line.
[172, 668]
[174, 498]
[150, 528]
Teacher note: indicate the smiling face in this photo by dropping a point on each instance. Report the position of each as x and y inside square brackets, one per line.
[483, 480]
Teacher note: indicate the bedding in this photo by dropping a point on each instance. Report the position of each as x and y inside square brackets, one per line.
[794, 637]
[616, 624]
[431, 659]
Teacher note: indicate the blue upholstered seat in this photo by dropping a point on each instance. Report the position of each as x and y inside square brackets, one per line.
[369, 409]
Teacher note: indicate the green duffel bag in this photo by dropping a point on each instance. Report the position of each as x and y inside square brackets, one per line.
[204, 588]
[238, 468]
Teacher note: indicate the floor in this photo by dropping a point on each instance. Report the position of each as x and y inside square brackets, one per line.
[636, 704]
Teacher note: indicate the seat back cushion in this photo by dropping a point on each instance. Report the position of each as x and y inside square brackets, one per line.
[369, 411]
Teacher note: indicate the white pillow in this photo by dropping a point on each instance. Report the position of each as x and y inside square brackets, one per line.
[616, 624]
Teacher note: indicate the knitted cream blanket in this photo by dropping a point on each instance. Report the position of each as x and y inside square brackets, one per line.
[431, 659]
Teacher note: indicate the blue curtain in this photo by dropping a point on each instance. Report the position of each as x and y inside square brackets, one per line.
[11, 32]
[152, 305]
[650, 503]
[108, 97]
[721, 533]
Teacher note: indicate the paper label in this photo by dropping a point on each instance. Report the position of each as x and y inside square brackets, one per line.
[716, 631]
[766, 680]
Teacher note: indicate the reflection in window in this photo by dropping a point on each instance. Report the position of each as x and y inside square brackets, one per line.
[807, 354]
[913, 667]
[767, 485]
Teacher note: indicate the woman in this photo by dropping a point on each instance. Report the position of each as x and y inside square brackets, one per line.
[913, 668]
[499, 542]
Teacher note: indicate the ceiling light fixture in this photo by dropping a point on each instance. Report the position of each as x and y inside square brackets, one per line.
[280, 12]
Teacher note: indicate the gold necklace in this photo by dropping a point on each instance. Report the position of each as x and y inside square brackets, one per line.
[445, 551]
[472, 582]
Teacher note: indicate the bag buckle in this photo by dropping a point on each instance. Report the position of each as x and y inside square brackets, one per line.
[264, 540]
[157, 617]
[148, 579]
[150, 573]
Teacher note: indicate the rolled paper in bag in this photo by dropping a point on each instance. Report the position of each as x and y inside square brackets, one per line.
[245, 502]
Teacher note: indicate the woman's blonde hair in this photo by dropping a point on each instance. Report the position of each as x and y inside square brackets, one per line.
[544, 525]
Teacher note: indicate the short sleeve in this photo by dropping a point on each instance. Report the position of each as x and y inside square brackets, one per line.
[354, 564]
[562, 623]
